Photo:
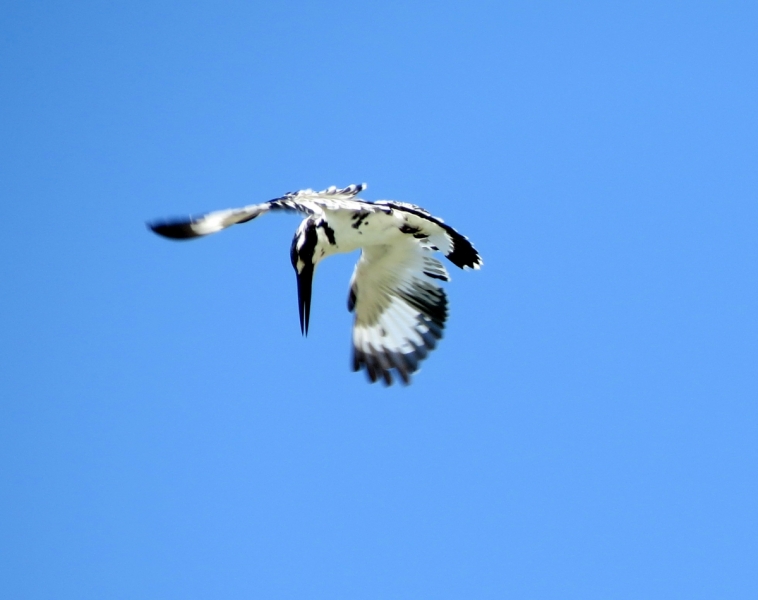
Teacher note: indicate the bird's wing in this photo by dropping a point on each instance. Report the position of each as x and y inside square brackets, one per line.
[435, 232]
[400, 310]
[307, 202]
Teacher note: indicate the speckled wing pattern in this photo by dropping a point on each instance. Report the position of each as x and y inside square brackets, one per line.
[306, 202]
[400, 310]
[436, 234]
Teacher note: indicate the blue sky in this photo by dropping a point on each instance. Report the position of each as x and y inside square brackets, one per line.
[586, 429]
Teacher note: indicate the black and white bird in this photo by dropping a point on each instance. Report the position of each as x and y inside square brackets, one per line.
[400, 309]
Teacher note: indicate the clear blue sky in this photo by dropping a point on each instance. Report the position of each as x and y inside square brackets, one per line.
[587, 429]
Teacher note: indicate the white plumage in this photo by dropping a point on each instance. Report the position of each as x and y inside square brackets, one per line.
[400, 308]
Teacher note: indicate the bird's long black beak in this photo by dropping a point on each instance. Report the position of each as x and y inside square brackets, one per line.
[304, 288]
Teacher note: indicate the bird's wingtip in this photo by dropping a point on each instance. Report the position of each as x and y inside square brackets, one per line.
[174, 230]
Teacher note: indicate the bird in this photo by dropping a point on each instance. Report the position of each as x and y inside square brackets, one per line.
[400, 308]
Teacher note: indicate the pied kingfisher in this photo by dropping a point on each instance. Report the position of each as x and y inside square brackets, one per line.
[400, 310]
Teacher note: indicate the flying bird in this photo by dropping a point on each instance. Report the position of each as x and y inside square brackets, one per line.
[400, 308]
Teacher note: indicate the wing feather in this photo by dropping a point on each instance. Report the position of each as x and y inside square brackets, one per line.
[307, 202]
[400, 310]
[456, 247]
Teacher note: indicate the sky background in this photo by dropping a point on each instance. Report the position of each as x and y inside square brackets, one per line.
[588, 426]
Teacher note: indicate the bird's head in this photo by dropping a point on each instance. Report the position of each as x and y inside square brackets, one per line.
[304, 259]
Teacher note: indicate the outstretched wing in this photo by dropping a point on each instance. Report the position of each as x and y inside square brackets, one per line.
[307, 202]
[400, 310]
[423, 225]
